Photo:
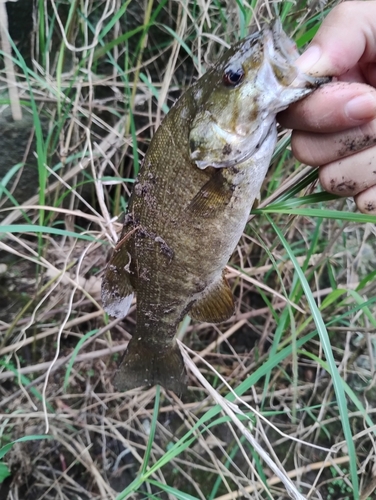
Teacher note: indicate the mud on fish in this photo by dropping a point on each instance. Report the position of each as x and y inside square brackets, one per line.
[190, 203]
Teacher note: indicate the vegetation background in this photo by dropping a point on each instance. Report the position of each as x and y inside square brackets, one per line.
[282, 404]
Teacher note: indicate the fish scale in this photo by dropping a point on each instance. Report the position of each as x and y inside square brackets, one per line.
[190, 203]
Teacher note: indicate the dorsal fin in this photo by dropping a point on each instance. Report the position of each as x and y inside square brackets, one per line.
[118, 280]
[216, 305]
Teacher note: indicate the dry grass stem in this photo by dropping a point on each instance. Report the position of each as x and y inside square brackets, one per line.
[94, 80]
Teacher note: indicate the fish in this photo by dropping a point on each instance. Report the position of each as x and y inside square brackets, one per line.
[201, 174]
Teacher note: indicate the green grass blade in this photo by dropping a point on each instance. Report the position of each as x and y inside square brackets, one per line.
[359, 300]
[180, 495]
[351, 394]
[143, 475]
[35, 437]
[153, 427]
[333, 370]
[24, 381]
[26, 228]
[7, 177]
[74, 355]
[322, 213]
[4, 471]
[303, 200]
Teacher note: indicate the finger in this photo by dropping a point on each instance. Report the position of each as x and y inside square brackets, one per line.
[319, 149]
[355, 74]
[369, 71]
[334, 107]
[351, 175]
[366, 201]
[347, 36]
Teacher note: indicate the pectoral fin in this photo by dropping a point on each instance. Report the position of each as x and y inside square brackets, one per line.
[118, 281]
[216, 305]
[212, 198]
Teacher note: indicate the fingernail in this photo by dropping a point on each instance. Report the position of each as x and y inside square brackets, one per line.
[309, 58]
[362, 107]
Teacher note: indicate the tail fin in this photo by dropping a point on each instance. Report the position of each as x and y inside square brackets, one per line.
[150, 364]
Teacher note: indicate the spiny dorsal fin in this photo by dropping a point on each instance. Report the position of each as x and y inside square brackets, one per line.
[118, 281]
[216, 305]
[212, 198]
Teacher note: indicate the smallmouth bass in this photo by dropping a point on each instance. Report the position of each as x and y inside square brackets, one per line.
[201, 174]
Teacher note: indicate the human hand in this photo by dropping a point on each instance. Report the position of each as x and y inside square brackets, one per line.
[335, 127]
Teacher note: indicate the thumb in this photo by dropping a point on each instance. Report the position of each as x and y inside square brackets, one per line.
[346, 37]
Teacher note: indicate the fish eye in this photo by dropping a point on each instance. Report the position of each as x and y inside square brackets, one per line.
[232, 78]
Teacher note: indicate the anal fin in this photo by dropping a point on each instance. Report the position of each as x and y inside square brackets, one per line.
[216, 305]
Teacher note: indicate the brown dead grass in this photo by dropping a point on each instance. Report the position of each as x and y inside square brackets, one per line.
[51, 288]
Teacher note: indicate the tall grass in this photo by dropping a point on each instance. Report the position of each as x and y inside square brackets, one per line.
[281, 405]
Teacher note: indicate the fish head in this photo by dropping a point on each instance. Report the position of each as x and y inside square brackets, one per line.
[238, 98]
